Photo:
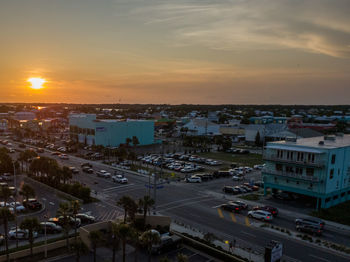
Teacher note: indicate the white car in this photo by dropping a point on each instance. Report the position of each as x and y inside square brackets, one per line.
[260, 214]
[103, 173]
[19, 206]
[120, 179]
[237, 178]
[21, 233]
[193, 179]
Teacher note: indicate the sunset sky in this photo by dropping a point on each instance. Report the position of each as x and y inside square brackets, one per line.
[175, 51]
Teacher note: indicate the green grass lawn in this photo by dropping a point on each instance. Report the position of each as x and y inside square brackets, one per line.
[339, 213]
[243, 160]
[251, 197]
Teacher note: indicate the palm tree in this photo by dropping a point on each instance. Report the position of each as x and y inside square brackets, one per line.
[150, 238]
[95, 238]
[64, 211]
[66, 174]
[5, 194]
[27, 191]
[128, 141]
[128, 204]
[31, 224]
[75, 208]
[124, 233]
[80, 248]
[146, 203]
[5, 216]
[114, 239]
[135, 141]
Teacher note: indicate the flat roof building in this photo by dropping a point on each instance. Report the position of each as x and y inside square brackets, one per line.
[318, 167]
[86, 129]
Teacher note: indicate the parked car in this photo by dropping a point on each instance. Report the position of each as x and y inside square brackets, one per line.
[272, 210]
[282, 196]
[237, 178]
[32, 204]
[240, 203]
[310, 229]
[230, 190]
[51, 228]
[167, 243]
[260, 214]
[231, 207]
[19, 206]
[193, 179]
[314, 222]
[120, 179]
[40, 150]
[85, 218]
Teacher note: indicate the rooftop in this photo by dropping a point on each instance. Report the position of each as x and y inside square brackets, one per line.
[336, 142]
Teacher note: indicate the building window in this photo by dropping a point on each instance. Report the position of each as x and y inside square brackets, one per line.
[331, 174]
[289, 169]
[300, 156]
[299, 170]
[279, 167]
[309, 171]
[328, 199]
[311, 158]
[335, 197]
[342, 194]
[333, 159]
[291, 155]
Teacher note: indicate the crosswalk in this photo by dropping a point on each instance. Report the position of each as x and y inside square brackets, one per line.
[108, 215]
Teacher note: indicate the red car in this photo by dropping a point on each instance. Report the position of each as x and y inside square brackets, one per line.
[272, 210]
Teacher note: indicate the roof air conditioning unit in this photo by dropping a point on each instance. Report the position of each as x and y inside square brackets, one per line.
[321, 143]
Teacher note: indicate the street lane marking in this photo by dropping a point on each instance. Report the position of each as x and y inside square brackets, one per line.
[248, 234]
[116, 187]
[181, 200]
[44, 199]
[233, 217]
[52, 203]
[247, 221]
[220, 213]
[319, 258]
[216, 206]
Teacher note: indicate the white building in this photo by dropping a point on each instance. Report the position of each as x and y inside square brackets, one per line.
[202, 126]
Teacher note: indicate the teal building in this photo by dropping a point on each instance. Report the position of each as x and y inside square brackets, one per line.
[318, 167]
[86, 129]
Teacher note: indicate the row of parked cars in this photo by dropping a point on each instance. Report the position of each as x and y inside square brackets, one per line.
[52, 226]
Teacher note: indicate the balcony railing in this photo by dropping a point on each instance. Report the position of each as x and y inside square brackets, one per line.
[291, 175]
[316, 163]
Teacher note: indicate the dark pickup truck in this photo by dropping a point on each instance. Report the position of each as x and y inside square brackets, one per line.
[167, 243]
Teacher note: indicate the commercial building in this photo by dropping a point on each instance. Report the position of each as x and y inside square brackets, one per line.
[85, 128]
[318, 167]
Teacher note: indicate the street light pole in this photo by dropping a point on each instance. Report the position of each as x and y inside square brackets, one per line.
[15, 196]
[45, 237]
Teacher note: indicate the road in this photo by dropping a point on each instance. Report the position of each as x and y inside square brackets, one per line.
[197, 205]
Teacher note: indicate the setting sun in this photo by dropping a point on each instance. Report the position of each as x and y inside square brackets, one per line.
[37, 83]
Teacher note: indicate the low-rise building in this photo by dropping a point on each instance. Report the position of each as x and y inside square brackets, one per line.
[318, 167]
[85, 128]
